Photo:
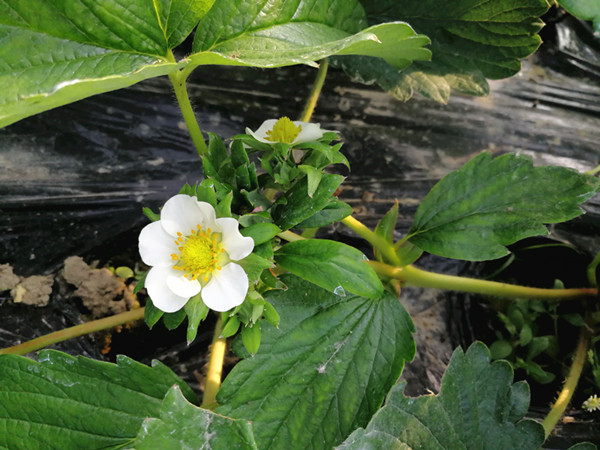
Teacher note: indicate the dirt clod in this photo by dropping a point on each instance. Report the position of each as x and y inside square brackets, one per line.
[101, 291]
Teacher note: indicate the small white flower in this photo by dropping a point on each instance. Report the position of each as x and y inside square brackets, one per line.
[287, 132]
[592, 403]
[190, 251]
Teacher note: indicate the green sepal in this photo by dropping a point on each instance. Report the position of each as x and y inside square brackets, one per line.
[385, 228]
[150, 214]
[247, 220]
[205, 192]
[174, 319]
[271, 315]
[223, 208]
[152, 314]
[254, 264]
[314, 178]
[141, 280]
[299, 207]
[196, 312]
[217, 152]
[261, 232]
[408, 253]
[239, 156]
[232, 325]
[251, 338]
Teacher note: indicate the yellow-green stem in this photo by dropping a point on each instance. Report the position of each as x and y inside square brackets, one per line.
[311, 101]
[373, 238]
[412, 276]
[76, 331]
[571, 381]
[215, 367]
[290, 236]
[178, 80]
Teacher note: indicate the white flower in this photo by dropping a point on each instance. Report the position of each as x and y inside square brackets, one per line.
[287, 132]
[191, 251]
[592, 403]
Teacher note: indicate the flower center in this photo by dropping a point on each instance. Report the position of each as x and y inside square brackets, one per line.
[284, 131]
[199, 253]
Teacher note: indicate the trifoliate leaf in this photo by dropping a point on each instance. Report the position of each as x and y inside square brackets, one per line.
[67, 402]
[478, 407]
[477, 210]
[471, 41]
[324, 371]
[184, 426]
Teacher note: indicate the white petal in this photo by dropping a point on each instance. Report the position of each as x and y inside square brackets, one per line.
[261, 133]
[156, 246]
[180, 285]
[226, 289]
[163, 297]
[182, 213]
[310, 132]
[236, 245]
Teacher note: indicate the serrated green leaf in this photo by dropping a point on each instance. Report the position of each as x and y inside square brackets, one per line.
[196, 312]
[474, 212]
[332, 265]
[182, 425]
[253, 33]
[471, 41]
[478, 407]
[324, 371]
[54, 53]
[333, 211]
[298, 206]
[78, 402]
[179, 17]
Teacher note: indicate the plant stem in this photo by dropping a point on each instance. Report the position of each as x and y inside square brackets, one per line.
[290, 236]
[412, 276]
[311, 101]
[571, 381]
[373, 238]
[178, 80]
[76, 331]
[591, 271]
[215, 367]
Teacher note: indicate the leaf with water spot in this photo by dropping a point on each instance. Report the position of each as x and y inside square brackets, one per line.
[182, 425]
[78, 402]
[324, 371]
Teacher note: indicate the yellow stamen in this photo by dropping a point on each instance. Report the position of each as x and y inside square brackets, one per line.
[284, 131]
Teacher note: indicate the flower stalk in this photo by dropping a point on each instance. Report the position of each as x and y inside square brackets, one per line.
[413, 276]
[315, 92]
[564, 398]
[178, 80]
[73, 332]
[215, 367]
